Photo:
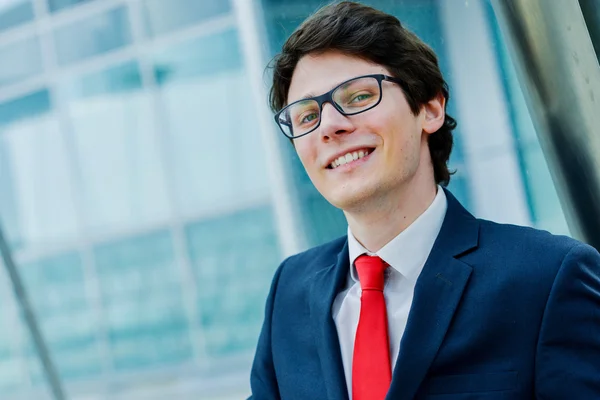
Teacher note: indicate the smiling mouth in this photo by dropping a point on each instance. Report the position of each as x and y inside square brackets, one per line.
[350, 157]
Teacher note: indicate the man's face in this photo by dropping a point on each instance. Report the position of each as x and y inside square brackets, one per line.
[394, 139]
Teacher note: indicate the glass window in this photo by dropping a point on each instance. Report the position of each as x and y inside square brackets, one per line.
[55, 284]
[165, 16]
[12, 373]
[212, 124]
[234, 257]
[141, 292]
[92, 36]
[543, 202]
[118, 157]
[36, 197]
[56, 288]
[33, 105]
[57, 5]
[14, 13]
[543, 199]
[25, 60]
[9, 376]
[201, 57]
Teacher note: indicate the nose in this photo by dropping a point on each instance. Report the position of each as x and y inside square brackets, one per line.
[333, 123]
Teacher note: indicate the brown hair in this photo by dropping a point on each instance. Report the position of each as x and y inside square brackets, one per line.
[358, 30]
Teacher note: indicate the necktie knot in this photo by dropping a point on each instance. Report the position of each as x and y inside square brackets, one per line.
[371, 270]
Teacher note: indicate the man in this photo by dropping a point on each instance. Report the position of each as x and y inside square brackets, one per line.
[421, 299]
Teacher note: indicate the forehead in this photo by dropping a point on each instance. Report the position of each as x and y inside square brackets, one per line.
[316, 74]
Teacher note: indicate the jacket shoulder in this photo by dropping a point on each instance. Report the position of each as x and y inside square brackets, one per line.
[528, 245]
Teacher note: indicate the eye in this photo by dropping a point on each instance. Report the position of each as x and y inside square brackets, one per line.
[308, 118]
[361, 97]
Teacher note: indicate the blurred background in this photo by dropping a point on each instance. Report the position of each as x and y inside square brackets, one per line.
[148, 197]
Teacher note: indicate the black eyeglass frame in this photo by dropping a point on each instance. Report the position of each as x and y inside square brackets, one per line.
[328, 98]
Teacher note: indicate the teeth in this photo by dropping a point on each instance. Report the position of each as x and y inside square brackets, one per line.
[349, 158]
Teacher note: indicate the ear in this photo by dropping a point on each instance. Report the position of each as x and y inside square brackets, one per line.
[435, 114]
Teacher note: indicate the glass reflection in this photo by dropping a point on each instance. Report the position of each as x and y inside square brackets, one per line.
[118, 157]
[56, 288]
[36, 185]
[12, 373]
[542, 198]
[14, 13]
[25, 60]
[231, 255]
[92, 36]
[141, 293]
[212, 125]
[57, 5]
[165, 16]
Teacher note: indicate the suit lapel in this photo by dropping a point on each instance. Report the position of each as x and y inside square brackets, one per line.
[326, 284]
[437, 294]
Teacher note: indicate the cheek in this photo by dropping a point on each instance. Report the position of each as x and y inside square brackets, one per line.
[403, 143]
[307, 154]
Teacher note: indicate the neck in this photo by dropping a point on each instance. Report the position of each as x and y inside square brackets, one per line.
[376, 226]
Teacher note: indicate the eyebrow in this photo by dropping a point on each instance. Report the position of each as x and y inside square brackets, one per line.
[308, 96]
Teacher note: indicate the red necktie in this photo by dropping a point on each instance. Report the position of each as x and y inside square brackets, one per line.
[371, 369]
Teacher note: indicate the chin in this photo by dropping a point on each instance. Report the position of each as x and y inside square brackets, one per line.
[350, 199]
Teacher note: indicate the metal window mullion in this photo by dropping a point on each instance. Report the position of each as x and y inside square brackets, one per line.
[176, 222]
[22, 354]
[48, 365]
[84, 245]
[289, 229]
[10, 317]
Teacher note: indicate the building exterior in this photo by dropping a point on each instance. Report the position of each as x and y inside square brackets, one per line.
[148, 196]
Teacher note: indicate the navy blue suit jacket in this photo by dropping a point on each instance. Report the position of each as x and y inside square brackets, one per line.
[499, 312]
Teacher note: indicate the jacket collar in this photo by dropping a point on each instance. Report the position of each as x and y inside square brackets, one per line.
[326, 284]
[437, 295]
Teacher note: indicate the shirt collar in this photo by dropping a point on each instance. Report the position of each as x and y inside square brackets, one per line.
[407, 252]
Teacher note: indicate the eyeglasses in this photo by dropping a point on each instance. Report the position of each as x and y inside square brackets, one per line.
[351, 97]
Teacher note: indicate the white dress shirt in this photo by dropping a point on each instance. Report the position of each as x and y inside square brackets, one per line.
[406, 254]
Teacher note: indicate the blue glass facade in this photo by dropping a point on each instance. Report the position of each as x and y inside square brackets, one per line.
[140, 201]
